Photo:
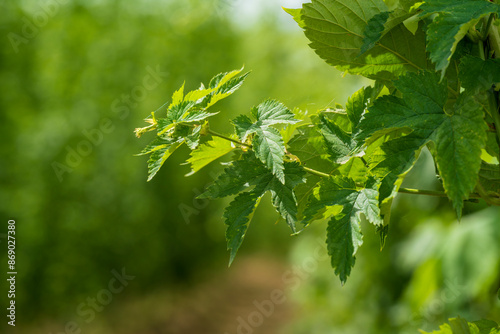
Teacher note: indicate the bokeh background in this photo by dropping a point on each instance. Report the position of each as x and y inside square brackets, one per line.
[76, 77]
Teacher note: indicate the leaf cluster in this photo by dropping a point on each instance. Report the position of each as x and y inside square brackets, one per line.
[435, 67]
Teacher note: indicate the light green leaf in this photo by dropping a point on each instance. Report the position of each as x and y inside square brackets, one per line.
[238, 215]
[336, 31]
[157, 144]
[453, 20]
[208, 152]
[158, 157]
[177, 97]
[296, 14]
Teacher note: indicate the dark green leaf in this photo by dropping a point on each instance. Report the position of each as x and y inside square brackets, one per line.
[373, 31]
[458, 137]
[477, 74]
[344, 231]
[453, 20]
[238, 215]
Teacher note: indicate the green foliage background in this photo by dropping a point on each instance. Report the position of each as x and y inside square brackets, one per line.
[103, 215]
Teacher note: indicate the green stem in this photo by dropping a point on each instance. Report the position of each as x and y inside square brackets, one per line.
[486, 30]
[480, 45]
[494, 39]
[321, 174]
[493, 106]
[430, 193]
[216, 134]
[315, 172]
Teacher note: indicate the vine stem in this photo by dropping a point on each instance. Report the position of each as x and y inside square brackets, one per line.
[321, 174]
[216, 134]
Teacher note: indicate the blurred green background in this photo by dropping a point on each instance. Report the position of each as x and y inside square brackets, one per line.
[76, 77]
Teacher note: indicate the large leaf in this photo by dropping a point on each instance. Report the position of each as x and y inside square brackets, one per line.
[344, 230]
[250, 176]
[453, 20]
[459, 136]
[336, 31]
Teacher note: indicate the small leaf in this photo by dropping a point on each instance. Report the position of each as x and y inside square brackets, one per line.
[158, 157]
[270, 149]
[238, 215]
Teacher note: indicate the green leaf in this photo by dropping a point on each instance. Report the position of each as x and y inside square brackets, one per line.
[268, 144]
[459, 141]
[309, 148]
[269, 112]
[458, 137]
[238, 215]
[489, 178]
[374, 30]
[225, 86]
[283, 196]
[252, 180]
[344, 231]
[380, 24]
[487, 327]
[341, 144]
[336, 31]
[477, 74]
[270, 149]
[158, 157]
[208, 152]
[157, 144]
[453, 21]
[296, 14]
[238, 176]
